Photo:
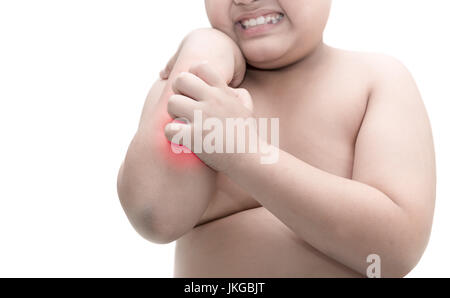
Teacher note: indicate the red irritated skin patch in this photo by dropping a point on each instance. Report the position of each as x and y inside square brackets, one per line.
[183, 160]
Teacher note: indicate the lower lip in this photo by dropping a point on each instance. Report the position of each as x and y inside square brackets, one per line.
[257, 30]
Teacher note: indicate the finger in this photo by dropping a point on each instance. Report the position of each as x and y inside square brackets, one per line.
[190, 85]
[171, 62]
[179, 106]
[237, 79]
[205, 71]
[178, 133]
[163, 75]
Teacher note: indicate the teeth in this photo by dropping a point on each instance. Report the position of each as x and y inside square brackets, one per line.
[270, 19]
[260, 20]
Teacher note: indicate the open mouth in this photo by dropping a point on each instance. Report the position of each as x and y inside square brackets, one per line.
[271, 18]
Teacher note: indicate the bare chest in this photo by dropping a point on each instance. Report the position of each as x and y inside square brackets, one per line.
[317, 125]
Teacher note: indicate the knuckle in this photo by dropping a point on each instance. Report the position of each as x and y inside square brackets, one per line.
[243, 92]
[198, 67]
[167, 131]
[171, 103]
[182, 79]
[215, 94]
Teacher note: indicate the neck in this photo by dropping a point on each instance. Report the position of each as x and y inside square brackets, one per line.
[293, 70]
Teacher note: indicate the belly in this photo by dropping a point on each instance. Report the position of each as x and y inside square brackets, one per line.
[237, 237]
[251, 243]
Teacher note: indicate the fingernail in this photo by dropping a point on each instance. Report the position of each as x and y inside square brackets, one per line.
[181, 120]
[174, 126]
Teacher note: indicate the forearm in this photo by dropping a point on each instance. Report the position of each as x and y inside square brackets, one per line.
[342, 218]
[163, 198]
[164, 194]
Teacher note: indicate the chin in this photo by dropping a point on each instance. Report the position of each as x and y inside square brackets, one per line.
[264, 56]
[271, 60]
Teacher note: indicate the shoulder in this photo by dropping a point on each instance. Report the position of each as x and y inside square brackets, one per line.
[387, 71]
[380, 71]
[369, 60]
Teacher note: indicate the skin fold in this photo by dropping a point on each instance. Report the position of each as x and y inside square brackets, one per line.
[356, 168]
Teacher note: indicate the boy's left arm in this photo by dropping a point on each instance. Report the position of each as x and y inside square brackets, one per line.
[385, 209]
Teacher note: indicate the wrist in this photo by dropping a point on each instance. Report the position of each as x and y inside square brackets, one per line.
[239, 163]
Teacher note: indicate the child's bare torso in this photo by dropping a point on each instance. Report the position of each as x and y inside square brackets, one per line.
[320, 112]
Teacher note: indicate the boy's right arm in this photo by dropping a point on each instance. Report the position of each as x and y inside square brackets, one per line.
[164, 194]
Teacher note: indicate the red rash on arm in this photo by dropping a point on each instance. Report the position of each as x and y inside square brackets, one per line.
[183, 159]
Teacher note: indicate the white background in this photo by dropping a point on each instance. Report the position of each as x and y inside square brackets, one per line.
[73, 78]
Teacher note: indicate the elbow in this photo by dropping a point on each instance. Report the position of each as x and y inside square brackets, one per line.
[152, 223]
[154, 230]
[397, 255]
[390, 264]
[143, 219]
[149, 224]
[410, 249]
[400, 267]
[405, 258]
